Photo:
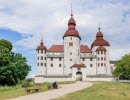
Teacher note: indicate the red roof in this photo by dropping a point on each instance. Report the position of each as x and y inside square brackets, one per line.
[101, 48]
[60, 48]
[71, 28]
[71, 21]
[56, 48]
[100, 42]
[71, 32]
[78, 65]
[41, 47]
[84, 49]
[99, 34]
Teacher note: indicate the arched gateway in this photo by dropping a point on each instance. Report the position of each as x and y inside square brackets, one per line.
[78, 76]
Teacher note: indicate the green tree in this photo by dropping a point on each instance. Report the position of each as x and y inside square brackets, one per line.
[13, 67]
[4, 44]
[123, 67]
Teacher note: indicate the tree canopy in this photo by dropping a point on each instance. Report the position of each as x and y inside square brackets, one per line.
[4, 44]
[123, 67]
[13, 67]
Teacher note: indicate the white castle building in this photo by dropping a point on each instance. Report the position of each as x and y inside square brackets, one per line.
[73, 61]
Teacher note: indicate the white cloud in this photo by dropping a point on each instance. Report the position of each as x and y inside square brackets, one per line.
[49, 18]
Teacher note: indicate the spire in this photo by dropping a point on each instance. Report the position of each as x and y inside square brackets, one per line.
[71, 11]
[41, 40]
[99, 34]
[99, 28]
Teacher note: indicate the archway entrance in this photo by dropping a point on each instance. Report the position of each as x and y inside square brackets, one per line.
[78, 76]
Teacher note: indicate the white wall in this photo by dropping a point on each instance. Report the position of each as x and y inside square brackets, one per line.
[75, 50]
[55, 69]
[40, 79]
[41, 69]
[103, 69]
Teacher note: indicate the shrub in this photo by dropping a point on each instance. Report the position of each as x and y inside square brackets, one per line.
[27, 82]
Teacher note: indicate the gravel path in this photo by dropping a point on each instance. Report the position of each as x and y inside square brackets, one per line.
[67, 88]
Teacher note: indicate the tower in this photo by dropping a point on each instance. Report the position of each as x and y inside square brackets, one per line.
[41, 59]
[71, 40]
[101, 48]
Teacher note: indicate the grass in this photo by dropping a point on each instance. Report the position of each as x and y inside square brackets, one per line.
[16, 91]
[101, 91]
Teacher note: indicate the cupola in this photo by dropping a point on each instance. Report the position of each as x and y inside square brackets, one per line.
[41, 47]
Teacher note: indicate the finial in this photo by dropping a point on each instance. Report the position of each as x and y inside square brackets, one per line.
[71, 11]
[41, 40]
[99, 27]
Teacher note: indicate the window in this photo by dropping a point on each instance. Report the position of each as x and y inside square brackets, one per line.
[51, 65]
[41, 64]
[41, 58]
[45, 58]
[37, 64]
[98, 64]
[91, 59]
[101, 52]
[101, 64]
[71, 38]
[38, 51]
[98, 52]
[41, 51]
[71, 44]
[70, 53]
[78, 68]
[105, 52]
[101, 58]
[104, 64]
[51, 59]
[59, 59]
[38, 58]
[70, 59]
[91, 65]
[83, 59]
[45, 52]
[59, 65]
[104, 58]
[45, 64]
[98, 58]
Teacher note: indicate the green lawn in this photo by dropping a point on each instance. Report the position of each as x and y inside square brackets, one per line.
[13, 92]
[101, 91]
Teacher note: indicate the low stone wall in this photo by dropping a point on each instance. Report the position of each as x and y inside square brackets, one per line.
[61, 78]
[53, 78]
[124, 81]
[101, 78]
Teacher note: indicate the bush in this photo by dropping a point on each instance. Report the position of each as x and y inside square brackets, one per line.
[27, 82]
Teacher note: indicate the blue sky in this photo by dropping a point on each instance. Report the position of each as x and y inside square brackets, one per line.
[23, 22]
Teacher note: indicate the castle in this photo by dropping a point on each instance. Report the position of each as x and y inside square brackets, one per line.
[73, 61]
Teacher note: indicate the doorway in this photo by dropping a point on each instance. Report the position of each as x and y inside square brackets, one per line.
[78, 76]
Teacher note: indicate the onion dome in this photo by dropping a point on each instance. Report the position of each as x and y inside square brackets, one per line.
[41, 47]
[99, 40]
[101, 49]
[71, 28]
[71, 32]
[99, 34]
[71, 21]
